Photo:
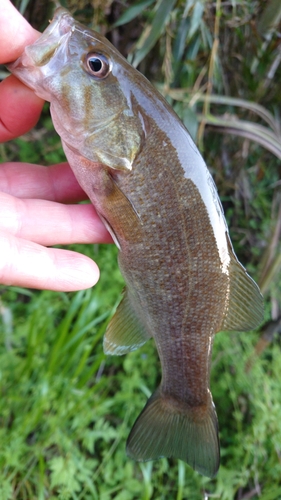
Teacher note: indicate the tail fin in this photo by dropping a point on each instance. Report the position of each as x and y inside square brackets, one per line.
[167, 429]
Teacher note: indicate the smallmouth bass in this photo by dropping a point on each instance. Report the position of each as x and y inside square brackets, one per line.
[148, 182]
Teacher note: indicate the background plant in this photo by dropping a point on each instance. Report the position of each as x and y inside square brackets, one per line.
[66, 409]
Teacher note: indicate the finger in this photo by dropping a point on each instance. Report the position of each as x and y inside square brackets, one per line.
[20, 109]
[54, 183]
[26, 264]
[15, 33]
[50, 223]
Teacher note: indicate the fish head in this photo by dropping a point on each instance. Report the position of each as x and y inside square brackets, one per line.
[87, 82]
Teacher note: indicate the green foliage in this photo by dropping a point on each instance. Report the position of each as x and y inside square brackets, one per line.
[151, 35]
[66, 409]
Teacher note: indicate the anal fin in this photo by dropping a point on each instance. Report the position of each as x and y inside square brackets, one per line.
[125, 332]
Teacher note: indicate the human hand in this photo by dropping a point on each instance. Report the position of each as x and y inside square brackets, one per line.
[35, 210]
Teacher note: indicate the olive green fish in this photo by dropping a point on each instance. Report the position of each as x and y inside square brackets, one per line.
[137, 163]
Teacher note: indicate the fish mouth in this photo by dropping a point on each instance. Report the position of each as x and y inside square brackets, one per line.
[40, 52]
[55, 35]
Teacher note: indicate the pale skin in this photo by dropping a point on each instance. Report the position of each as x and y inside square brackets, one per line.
[38, 204]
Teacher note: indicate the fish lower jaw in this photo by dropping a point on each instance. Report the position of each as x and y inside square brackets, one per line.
[24, 70]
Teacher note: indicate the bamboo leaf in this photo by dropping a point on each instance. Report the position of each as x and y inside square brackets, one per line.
[132, 12]
[4, 74]
[181, 95]
[251, 106]
[179, 44]
[252, 131]
[23, 5]
[270, 18]
[196, 18]
[151, 36]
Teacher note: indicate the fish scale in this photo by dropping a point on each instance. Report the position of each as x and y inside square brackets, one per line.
[140, 168]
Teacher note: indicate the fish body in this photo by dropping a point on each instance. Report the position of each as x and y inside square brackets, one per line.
[140, 168]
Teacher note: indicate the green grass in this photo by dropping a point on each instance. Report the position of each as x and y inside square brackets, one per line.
[65, 408]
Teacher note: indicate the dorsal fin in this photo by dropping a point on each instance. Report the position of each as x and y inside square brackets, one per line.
[125, 332]
[245, 304]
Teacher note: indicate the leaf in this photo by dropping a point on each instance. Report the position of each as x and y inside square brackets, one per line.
[150, 37]
[179, 45]
[6, 489]
[270, 18]
[271, 494]
[132, 12]
[189, 118]
[196, 18]
[23, 5]
[63, 473]
[259, 110]
[252, 106]
[253, 131]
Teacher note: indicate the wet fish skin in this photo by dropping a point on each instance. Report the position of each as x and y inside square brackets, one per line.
[137, 163]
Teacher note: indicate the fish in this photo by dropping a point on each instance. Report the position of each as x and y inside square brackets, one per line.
[140, 168]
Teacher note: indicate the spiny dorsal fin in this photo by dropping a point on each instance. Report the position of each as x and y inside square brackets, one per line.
[164, 429]
[125, 332]
[245, 304]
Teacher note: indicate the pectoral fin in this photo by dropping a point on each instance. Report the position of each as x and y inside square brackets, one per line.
[245, 304]
[115, 162]
[125, 332]
[119, 213]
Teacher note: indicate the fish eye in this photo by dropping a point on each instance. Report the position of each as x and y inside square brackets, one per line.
[97, 65]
